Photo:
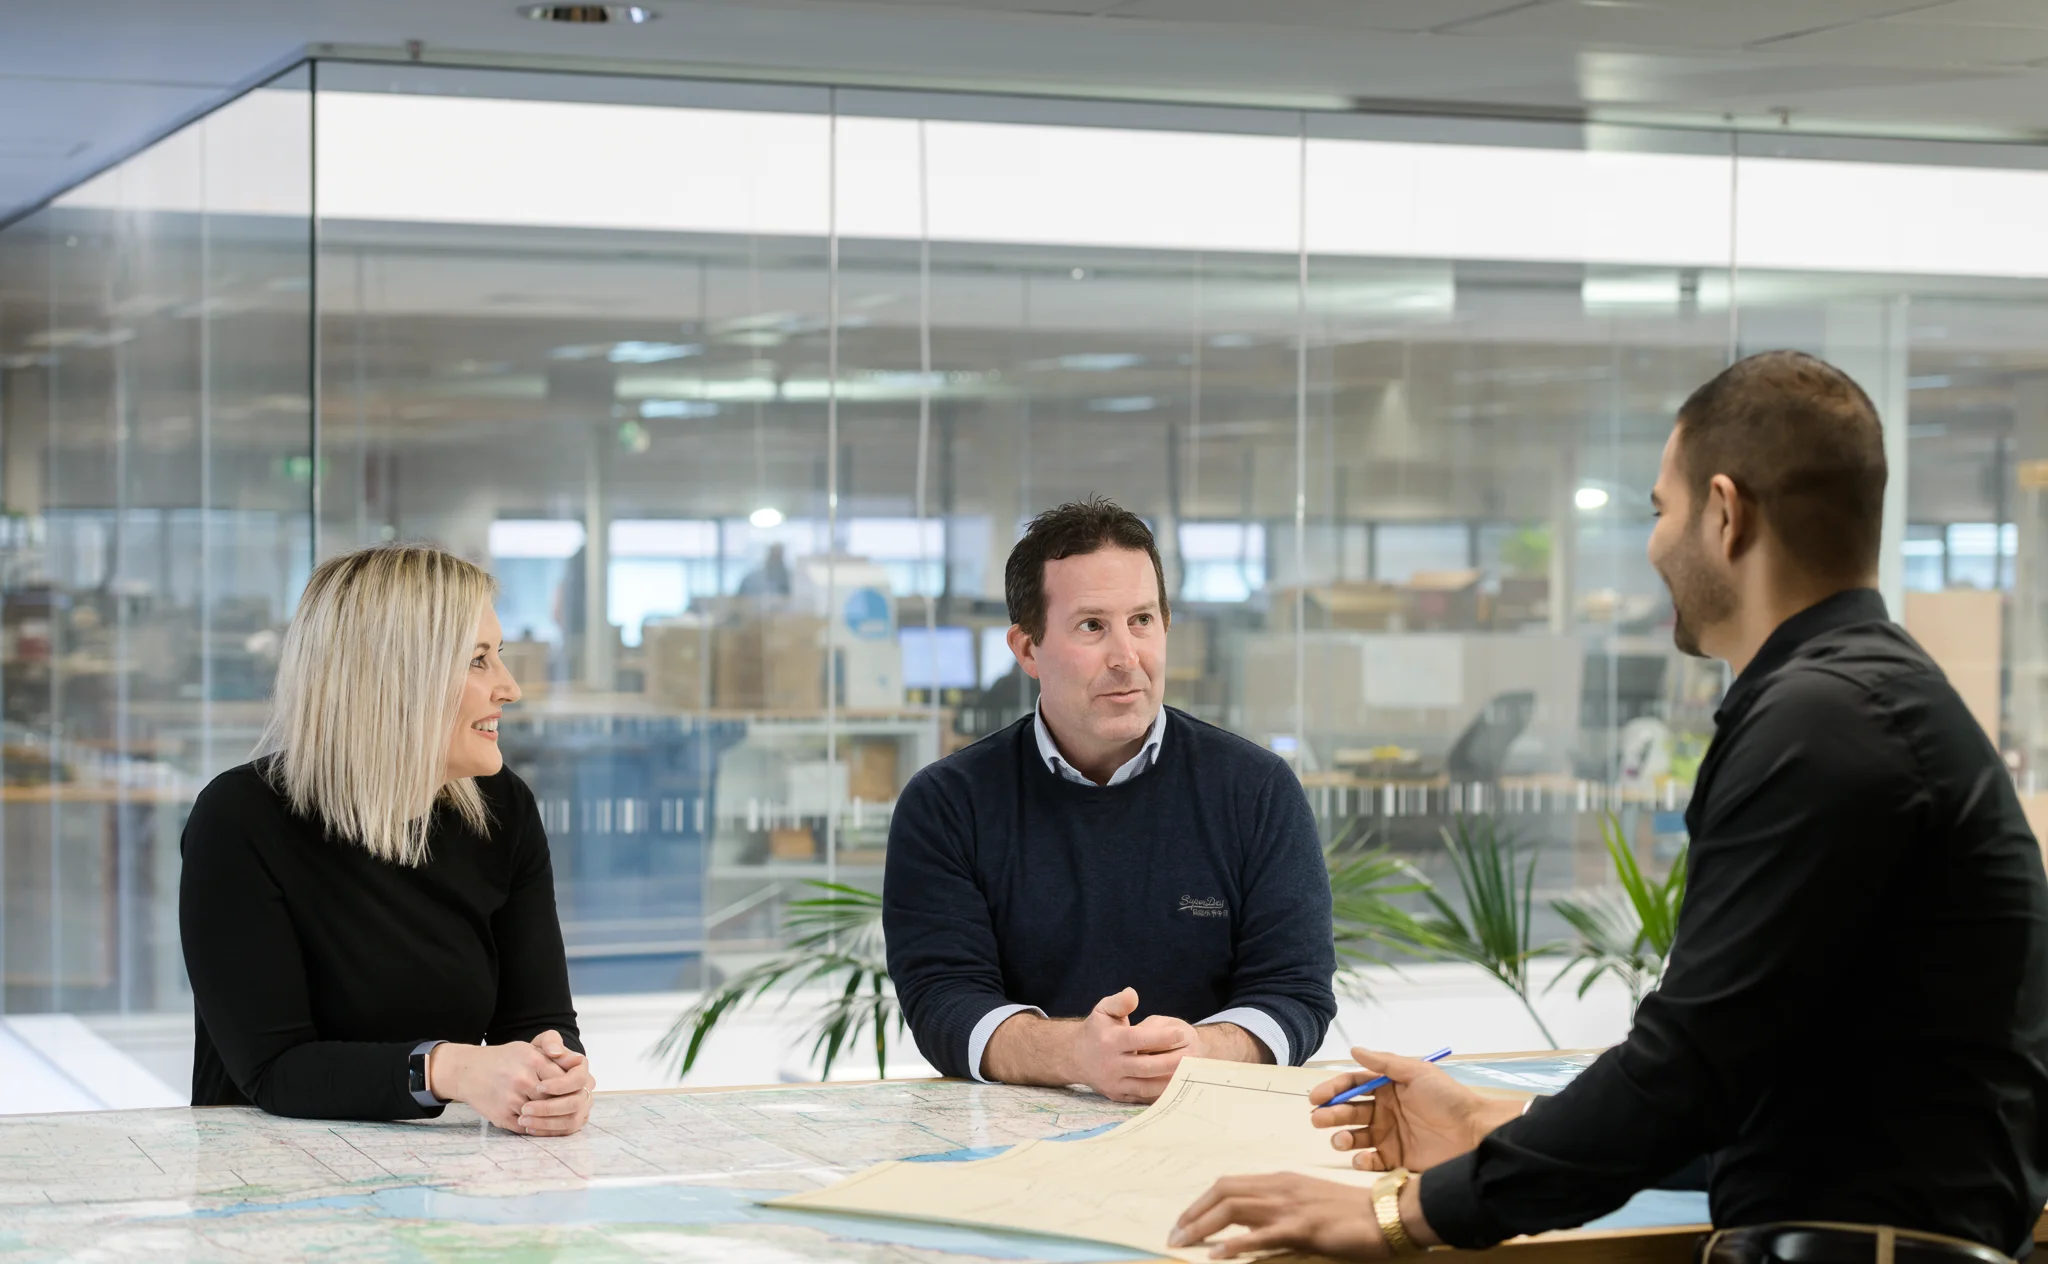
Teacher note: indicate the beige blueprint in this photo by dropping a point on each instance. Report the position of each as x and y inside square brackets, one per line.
[1128, 1185]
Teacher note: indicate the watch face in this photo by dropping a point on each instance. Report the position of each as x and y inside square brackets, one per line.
[416, 1073]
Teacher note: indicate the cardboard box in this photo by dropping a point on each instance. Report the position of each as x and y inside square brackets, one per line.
[527, 660]
[676, 658]
[1441, 601]
[1962, 630]
[793, 844]
[1350, 606]
[773, 664]
[1522, 601]
[871, 769]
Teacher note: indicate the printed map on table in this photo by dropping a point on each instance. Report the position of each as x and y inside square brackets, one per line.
[655, 1176]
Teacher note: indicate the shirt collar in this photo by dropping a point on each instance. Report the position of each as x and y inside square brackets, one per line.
[1147, 755]
[1844, 609]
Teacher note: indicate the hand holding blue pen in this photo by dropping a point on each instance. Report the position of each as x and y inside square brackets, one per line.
[1375, 1083]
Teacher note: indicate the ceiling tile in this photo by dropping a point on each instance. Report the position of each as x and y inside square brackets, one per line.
[1371, 15]
[1722, 25]
[54, 132]
[1923, 43]
[2033, 13]
[1068, 7]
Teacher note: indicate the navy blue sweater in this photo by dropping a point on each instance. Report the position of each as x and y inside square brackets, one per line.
[1199, 882]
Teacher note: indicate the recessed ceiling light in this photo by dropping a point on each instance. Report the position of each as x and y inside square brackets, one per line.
[677, 408]
[650, 352]
[1100, 362]
[589, 14]
[1123, 404]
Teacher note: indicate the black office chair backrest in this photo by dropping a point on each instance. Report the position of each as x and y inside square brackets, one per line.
[1818, 1243]
[1481, 751]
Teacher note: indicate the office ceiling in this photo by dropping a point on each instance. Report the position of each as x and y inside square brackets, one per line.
[83, 81]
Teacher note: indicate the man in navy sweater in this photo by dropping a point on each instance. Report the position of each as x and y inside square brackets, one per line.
[1110, 885]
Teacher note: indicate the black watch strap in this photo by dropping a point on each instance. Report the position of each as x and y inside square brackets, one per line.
[416, 1074]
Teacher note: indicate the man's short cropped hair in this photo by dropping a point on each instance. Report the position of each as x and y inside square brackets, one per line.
[1799, 438]
[1072, 530]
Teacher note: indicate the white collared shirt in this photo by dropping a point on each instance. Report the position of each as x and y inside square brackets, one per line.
[1147, 755]
[1258, 1022]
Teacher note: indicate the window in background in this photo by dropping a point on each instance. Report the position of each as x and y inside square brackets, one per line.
[912, 552]
[1400, 549]
[658, 567]
[1926, 553]
[154, 422]
[756, 553]
[1980, 554]
[1222, 561]
[533, 560]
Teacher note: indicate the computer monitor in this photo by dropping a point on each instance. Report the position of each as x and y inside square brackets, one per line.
[938, 658]
[996, 658]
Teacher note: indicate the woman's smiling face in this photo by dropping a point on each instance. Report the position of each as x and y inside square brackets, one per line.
[487, 688]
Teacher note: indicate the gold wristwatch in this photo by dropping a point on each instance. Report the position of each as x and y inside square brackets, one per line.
[1386, 1204]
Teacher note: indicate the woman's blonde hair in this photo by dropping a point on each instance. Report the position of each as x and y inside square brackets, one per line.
[369, 688]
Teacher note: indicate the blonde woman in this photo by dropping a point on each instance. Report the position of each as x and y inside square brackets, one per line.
[367, 907]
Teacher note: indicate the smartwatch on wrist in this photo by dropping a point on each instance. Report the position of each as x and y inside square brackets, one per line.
[416, 1074]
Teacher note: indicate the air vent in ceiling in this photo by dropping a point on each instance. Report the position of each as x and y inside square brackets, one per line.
[589, 14]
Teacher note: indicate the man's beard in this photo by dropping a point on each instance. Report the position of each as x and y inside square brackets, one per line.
[1699, 597]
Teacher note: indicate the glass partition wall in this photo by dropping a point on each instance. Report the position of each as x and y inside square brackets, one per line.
[743, 393]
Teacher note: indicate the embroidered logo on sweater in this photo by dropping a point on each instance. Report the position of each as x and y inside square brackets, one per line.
[1203, 908]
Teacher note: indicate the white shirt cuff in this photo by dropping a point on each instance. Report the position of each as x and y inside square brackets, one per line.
[977, 1040]
[1256, 1021]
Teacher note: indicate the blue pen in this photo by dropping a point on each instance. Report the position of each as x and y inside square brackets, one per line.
[1380, 1082]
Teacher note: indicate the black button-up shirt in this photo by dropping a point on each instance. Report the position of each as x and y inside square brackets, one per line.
[1853, 1022]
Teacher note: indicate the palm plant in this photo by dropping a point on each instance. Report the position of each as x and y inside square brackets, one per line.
[835, 938]
[1627, 933]
[1493, 933]
[1369, 922]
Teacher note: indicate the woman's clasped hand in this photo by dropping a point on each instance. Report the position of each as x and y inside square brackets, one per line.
[540, 1088]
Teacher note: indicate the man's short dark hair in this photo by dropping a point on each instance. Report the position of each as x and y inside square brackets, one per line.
[1072, 530]
[1801, 439]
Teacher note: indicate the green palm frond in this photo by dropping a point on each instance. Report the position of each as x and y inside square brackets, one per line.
[1626, 933]
[835, 940]
[1499, 893]
[1370, 924]
[1610, 939]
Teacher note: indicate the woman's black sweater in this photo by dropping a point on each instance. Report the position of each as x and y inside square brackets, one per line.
[317, 968]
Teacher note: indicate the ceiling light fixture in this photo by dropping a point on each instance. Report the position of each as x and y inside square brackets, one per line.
[1100, 362]
[1590, 498]
[677, 408]
[766, 518]
[589, 14]
[1123, 404]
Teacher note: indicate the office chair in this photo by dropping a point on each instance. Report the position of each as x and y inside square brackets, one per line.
[1481, 751]
[1820, 1243]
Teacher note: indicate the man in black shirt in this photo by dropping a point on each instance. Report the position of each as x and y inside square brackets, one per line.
[1853, 1024]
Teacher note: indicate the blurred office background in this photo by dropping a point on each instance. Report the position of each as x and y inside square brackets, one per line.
[744, 390]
